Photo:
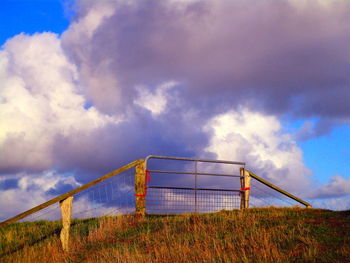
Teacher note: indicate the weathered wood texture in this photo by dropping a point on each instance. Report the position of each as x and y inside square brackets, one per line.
[71, 193]
[140, 189]
[247, 180]
[66, 210]
[245, 188]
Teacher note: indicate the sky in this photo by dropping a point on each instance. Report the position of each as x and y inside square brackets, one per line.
[87, 86]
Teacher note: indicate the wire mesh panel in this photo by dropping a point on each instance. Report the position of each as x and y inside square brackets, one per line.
[185, 185]
[178, 185]
[113, 196]
[168, 200]
[264, 196]
[50, 213]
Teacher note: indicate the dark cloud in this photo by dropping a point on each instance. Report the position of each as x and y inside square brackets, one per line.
[279, 57]
[17, 155]
[253, 60]
[105, 149]
[314, 129]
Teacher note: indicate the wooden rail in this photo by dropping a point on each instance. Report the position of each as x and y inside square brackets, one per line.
[70, 193]
[279, 189]
[120, 170]
[141, 177]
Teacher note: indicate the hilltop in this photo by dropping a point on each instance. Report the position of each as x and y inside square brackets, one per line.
[253, 235]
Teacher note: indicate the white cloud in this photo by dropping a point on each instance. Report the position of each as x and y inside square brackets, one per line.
[31, 191]
[155, 101]
[39, 100]
[87, 24]
[26, 191]
[337, 186]
[338, 203]
[45, 82]
[258, 140]
[98, 80]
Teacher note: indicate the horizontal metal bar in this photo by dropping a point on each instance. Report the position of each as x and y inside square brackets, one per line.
[279, 189]
[171, 203]
[192, 159]
[201, 205]
[189, 203]
[190, 188]
[70, 193]
[188, 208]
[235, 206]
[177, 172]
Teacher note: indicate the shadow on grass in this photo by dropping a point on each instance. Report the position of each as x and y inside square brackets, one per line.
[53, 233]
[345, 213]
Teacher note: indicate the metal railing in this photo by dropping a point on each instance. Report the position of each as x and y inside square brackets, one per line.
[178, 185]
[165, 199]
[170, 200]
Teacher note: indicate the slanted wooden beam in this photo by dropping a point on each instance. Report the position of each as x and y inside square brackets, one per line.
[306, 204]
[71, 193]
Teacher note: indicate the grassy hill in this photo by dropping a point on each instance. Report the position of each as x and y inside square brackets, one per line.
[253, 235]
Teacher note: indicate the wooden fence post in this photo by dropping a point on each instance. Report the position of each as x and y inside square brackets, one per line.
[140, 189]
[245, 188]
[66, 210]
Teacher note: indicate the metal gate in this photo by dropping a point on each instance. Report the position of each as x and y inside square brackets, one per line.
[187, 185]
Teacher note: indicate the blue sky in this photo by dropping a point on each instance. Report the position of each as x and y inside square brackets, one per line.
[329, 154]
[31, 16]
[325, 155]
[119, 58]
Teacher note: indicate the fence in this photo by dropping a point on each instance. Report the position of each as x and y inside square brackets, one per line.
[158, 185]
[111, 194]
[185, 185]
[262, 194]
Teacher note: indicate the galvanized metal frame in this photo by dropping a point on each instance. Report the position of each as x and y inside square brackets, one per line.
[191, 159]
[141, 187]
[181, 200]
[195, 173]
[195, 188]
[145, 162]
[149, 157]
[245, 176]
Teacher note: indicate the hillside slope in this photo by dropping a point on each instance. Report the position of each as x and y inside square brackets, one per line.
[253, 235]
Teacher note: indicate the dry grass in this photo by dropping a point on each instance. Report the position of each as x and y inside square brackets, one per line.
[254, 235]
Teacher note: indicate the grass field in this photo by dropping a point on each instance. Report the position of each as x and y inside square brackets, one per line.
[253, 235]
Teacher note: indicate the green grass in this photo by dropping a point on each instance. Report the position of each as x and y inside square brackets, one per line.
[254, 235]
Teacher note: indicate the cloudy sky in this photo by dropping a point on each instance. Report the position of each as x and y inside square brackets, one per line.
[86, 86]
